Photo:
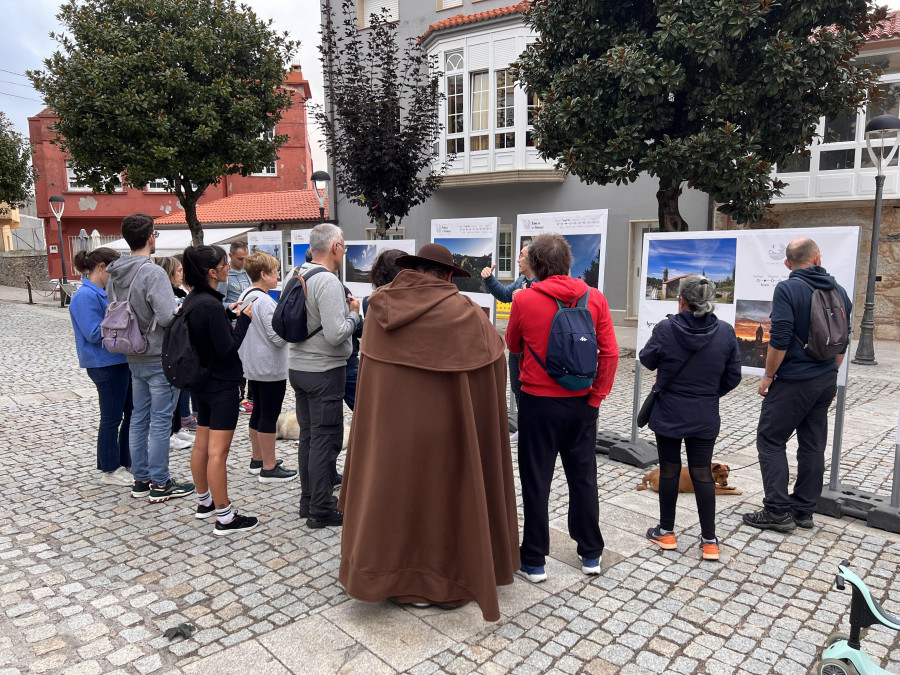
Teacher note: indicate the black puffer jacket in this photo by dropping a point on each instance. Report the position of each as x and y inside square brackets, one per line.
[217, 344]
[689, 406]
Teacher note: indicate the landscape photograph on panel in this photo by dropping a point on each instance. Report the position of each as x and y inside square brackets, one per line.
[671, 260]
[472, 254]
[586, 250]
[752, 326]
[271, 249]
[359, 262]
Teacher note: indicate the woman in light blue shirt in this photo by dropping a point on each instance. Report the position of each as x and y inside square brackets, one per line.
[109, 372]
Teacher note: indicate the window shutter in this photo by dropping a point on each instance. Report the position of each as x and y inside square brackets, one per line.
[375, 6]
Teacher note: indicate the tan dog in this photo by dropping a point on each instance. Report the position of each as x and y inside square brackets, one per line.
[719, 473]
[287, 428]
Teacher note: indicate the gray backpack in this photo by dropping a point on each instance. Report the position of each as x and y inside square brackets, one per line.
[828, 332]
[120, 329]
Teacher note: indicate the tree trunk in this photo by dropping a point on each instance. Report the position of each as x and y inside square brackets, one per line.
[381, 227]
[670, 219]
[190, 215]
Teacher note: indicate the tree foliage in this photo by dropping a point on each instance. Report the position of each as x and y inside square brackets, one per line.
[16, 172]
[710, 93]
[186, 90]
[381, 124]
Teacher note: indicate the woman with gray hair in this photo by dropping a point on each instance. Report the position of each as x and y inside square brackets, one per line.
[697, 361]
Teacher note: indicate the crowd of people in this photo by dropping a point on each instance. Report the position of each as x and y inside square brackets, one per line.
[427, 498]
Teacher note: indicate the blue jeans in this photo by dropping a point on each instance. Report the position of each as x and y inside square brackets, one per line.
[114, 387]
[151, 422]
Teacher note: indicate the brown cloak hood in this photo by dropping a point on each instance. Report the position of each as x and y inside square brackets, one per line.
[428, 494]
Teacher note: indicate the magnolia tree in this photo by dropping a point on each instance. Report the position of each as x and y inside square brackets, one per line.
[182, 90]
[381, 116]
[705, 93]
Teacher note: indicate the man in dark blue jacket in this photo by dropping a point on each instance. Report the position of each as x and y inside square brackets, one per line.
[505, 294]
[798, 390]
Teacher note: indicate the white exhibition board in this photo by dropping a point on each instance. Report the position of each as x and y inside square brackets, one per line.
[584, 230]
[473, 243]
[268, 242]
[359, 258]
[299, 246]
[746, 265]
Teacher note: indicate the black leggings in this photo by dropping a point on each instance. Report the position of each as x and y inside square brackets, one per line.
[699, 457]
[267, 399]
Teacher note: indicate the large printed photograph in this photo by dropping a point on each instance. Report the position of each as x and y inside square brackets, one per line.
[358, 265]
[472, 254]
[752, 326]
[585, 256]
[671, 260]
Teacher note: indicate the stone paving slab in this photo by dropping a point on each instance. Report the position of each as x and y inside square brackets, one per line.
[90, 579]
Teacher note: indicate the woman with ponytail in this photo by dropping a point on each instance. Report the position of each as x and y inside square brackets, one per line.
[209, 325]
[109, 372]
[697, 361]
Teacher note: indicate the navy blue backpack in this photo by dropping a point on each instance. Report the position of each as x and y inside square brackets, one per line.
[572, 347]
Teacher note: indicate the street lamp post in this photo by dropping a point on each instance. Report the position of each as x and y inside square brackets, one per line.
[881, 129]
[323, 178]
[57, 205]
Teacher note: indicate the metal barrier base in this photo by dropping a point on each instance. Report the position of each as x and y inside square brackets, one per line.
[876, 510]
[620, 449]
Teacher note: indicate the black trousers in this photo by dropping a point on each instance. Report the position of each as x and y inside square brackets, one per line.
[320, 413]
[514, 383]
[800, 406]
[699, 457]
[551, 426]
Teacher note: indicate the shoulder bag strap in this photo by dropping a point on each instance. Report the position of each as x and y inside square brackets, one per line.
[677, 372]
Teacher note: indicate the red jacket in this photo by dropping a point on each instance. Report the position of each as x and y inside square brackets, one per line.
[529, 323]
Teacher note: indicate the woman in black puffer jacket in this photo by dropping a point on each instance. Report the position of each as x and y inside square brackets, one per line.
[687, 409]
[209, 325]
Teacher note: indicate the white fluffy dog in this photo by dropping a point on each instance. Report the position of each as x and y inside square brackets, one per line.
[287, 428]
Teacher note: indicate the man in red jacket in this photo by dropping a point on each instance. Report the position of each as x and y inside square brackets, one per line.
[555, 420]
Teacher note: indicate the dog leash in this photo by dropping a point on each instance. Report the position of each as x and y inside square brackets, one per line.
[757, 461]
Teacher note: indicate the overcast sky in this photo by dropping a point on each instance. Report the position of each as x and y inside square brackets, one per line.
[26, 43]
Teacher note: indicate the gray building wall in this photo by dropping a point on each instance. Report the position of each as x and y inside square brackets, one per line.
[625, 203]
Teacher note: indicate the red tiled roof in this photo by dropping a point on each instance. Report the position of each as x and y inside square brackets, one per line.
[889, 28]
[462, 19]
[251, 207]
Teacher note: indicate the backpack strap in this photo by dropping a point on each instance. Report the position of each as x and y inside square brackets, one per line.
[303, 279]
[812, 290]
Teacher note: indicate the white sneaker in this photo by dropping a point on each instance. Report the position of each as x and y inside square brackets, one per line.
[120, 476]
[514, 438]
[185, 435]
[176, 443]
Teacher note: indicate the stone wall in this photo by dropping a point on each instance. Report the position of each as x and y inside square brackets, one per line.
[15, 265]
[829, 214]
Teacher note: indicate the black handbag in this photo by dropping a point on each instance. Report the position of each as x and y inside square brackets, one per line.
[643, 416]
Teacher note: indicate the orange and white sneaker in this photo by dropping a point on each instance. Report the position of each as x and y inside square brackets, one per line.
[665, 541]
[709, 549]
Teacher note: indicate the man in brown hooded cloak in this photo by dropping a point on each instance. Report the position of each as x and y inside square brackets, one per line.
[428, 496]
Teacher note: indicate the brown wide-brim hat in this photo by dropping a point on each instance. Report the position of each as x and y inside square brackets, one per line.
[434, 254]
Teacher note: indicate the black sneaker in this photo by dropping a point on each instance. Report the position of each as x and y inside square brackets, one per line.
[335, 518]
[171, 490]
[766, 520]
[140, 489]
[804, 520]
[277, 475]
[204, 512]
[238, 524]
[256, 465]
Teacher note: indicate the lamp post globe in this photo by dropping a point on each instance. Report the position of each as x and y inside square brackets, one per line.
[882, 134]
[320, 180]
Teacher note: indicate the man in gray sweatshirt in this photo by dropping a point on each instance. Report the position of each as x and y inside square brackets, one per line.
[153, 303]
[317, 371]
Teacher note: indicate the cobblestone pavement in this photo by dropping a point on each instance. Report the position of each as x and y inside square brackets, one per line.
[90, 579]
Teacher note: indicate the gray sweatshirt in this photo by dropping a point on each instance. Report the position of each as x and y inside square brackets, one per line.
[152, 296]
[263, 352]
[326, 306]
